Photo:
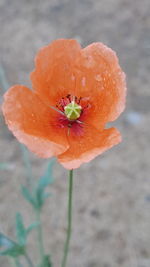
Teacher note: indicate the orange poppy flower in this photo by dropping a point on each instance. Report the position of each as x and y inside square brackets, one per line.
[75, 93]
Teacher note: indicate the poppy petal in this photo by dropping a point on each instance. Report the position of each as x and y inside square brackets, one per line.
[100, 78]
[31, 122]
[86, 147]
[53, 76]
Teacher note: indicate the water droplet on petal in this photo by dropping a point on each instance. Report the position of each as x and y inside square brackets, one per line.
[89, 62]
[83, 81]
[98, 77]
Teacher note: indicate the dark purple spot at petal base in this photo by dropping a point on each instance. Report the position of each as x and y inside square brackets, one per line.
[73, 127]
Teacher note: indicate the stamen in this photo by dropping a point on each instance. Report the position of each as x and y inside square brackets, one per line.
[56, 109]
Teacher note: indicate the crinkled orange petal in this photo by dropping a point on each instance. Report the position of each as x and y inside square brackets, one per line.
[53, 76]
[93, 72]
[33, 123]
[86, 147]
[100, 78]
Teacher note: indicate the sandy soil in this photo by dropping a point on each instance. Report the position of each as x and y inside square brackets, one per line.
[112, 193]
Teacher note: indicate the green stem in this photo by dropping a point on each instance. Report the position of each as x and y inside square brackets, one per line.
[40, 236]
[28, 260]
[69, 228]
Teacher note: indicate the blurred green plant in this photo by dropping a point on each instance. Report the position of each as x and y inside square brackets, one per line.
[36, 198]
[35, 193]
[10, 247]
[4, 166]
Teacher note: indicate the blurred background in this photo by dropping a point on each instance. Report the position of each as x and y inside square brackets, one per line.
[111, 225]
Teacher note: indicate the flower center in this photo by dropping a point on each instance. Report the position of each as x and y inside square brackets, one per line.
[72, 111]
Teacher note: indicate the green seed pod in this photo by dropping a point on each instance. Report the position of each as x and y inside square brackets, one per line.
[73, 111]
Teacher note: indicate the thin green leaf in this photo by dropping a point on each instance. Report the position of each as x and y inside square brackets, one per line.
[44, 181]
[13, 252]
[20, 230]
[32, 227]
[9, 247]
[27, 195]
[5, 241]
[47, 178]
[46, 262]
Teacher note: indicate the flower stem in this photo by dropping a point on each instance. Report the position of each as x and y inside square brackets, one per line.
[69, 227]
[40, 236]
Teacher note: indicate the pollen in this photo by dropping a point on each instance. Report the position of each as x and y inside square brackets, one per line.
[73, 110]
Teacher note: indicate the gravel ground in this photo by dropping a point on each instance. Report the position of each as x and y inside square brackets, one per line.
[112, 193]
